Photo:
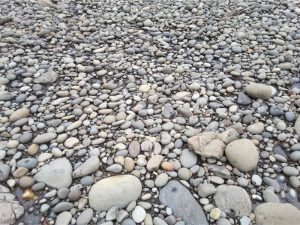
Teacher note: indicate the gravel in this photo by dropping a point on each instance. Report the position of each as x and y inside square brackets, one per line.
[149, 112]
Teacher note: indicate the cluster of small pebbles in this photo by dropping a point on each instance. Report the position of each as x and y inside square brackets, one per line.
[149, 112]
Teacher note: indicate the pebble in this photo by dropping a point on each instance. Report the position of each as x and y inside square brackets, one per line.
[175, 196]
[85, 217]
[56, 174]
[188, 158]
[4, 171]
[91, 165]
[276, 214]
[63, 218]
[242, 154]
[114, 191]
[262, 91]
[138, 214]
[233, 200]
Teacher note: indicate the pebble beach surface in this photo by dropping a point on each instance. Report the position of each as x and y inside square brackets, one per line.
[149, 112]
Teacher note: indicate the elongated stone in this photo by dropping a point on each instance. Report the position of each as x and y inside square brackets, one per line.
[182, 203]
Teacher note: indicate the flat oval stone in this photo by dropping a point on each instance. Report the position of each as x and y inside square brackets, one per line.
[114, 191]
[182, 203]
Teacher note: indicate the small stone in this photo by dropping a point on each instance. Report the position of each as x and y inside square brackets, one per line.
[47, 78]
[256, 128]
[243, 99]
[4, 172]
[276, 214]
[63, 218]
[242, 154]
[256, 180]
[144, 88]
[91, 165]
[112, 213]
[270, 196]
[85, 217]
[206, 189]
[148, 23]
[114, 191]
[56, 174]
[215, 214]
[44, 138]
[71, 142]
[261, 91]
[154, 162]
[19, 114]
[138, 214]
[233, 200]
[161, 180]
[134, 149]
[175, 196]
[188, 158]
[159, 221]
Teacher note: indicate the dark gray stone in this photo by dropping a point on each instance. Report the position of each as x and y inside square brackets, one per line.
[182, 203]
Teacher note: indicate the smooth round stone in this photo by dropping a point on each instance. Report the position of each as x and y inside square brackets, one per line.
[134, 149]
[290, 116]
[19, 114]
[74, 195]
[188, 158]
[276, 214]
[138, 214]
[28, 163]
[26, 182]
[87, 180]
[63, 193]
[25, 138]
[290, 171]
[63, 206]
[294, 181]
[223, 221]
[270, 196]
[256, 128]
[184, 173]
[276, 110]
[112, 213]
[63, 218]
[206, 189]
[242, 154]
[243, 182]
[256, 180]
[161, 180]
[159, 221]
[233, 200]
[128, 222]
[165, 138]
[295, 156]
[114, 191]
[85, 217]
[261, 91]
[4, 171]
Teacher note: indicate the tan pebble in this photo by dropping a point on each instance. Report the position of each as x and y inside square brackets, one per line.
[129, 164]
[230, 89]
[21, 171]
[167, 166]
[215, 214]
[28, 195]
[33, 149]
